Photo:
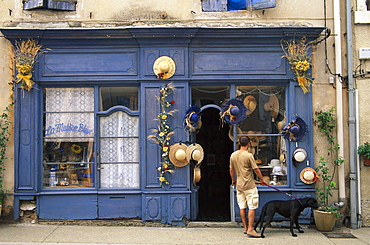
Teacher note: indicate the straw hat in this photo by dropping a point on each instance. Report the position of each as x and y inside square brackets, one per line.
[177, 154]
[308, 175]
[272, 106]
[197, 175]
[192, 118]
[295, 130]
[233, 111]
[231, 133]
[255, 140]
[251, 104]
[195, 152]
[299, 155]
[164, 67]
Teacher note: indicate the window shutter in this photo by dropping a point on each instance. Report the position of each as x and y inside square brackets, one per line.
[214, 5]
[263, 4]
[62, 4]
[33, 4]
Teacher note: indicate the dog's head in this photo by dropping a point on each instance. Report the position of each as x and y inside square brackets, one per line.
[310, 202]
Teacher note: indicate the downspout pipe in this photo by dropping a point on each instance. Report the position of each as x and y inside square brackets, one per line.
[351, 122]
[339, 100]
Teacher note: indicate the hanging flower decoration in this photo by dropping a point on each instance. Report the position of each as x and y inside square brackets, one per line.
[26, 54]
[163, 134]
[299, 61]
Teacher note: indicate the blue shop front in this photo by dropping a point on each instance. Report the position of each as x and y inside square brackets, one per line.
[86, 133]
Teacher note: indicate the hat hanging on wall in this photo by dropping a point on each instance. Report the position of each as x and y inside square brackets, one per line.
[177, 154]
[299, 155]
[231, 133]
[272, 106]
[164, 67]
[195, 152]
[251, 104]
[308, 175]
[233, 111]
[295, 130]
[192, 119]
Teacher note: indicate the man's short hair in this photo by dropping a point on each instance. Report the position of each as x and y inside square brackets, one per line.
[244, 140]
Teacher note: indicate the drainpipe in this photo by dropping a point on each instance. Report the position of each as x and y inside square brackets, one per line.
[339, 100]
[351, 122]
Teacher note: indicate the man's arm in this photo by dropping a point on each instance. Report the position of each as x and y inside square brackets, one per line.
[232, 175]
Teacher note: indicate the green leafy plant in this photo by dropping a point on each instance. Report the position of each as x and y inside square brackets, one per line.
[4, 138]
[364, 150]
[325, 121]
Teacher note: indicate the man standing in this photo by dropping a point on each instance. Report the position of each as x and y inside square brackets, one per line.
[242, 163]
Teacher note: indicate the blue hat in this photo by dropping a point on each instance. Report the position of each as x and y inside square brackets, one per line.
[295, 130]
[192, 118]
[233, 111]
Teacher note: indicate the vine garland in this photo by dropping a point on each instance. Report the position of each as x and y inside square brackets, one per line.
[163, 134]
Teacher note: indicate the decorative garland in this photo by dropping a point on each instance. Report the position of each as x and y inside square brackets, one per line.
[26, 54]
[299, 60]
[163, 133]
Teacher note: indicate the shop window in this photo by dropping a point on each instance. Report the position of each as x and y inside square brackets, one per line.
[50, 4]
[68, 143]
[233, 5]
[119, 138]
[266, 118]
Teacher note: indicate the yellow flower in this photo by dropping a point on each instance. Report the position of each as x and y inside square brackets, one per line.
[76, 148]
[161, 134]
[165, 166]
[162, 179]
[164, 116]
[302, 65]
[24, 69]
[165, 148]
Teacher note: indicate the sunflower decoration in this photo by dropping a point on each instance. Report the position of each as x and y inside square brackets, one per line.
[76, 148]
[163, 134]
[299, 61]
[26, 54]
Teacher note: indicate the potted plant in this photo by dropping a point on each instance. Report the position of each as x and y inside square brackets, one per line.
[364, 151]
[327, 213]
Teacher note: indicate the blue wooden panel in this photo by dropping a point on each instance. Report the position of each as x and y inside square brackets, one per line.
[31, 4]
[62, 4]
[153, 208]
[150, 160]
[67, 207]
[179, 206]
[150, 55]
[119, 206]
[89, 62]
[254, 4]
[26, 113]
[214, 5]
[233, 62]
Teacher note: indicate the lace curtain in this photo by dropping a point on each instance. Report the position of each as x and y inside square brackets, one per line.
[119, 151]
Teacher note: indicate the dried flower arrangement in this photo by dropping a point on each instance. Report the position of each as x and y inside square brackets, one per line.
[163, 133]
[26, 54]
[299, 60]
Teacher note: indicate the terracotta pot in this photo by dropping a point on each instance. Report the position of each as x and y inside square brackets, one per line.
[324, 221]
[367, 161]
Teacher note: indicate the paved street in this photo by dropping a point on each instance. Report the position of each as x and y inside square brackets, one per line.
[231, 233]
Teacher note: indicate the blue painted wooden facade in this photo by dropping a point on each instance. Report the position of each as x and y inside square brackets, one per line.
[120, 57]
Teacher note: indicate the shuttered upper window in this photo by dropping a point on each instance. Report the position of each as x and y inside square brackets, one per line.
[50, 4]
[234, 5]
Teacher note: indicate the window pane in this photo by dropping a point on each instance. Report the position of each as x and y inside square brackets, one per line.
[266, 106]
[124, 96]
[205, 95]
[68, 160]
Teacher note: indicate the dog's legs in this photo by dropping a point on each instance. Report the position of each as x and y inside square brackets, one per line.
[297, 225]
[292, 220]
[269, 217]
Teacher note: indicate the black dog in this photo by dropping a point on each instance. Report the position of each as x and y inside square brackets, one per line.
[290, 209]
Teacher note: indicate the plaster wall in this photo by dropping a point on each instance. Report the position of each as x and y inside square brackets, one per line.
[178, 13]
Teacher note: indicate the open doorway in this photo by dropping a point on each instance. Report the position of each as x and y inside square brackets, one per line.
[214, 186]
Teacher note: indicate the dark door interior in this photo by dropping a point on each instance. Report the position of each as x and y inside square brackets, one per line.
[214, 186]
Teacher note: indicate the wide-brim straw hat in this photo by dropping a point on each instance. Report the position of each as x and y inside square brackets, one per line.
[164, 67]
[272, 106]
[295, 130]
[237, 106]
[299, 155]
[308, 175]
[231, 133]
[195, 152]
[177, 154]
[251, 104]
[197, 175]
